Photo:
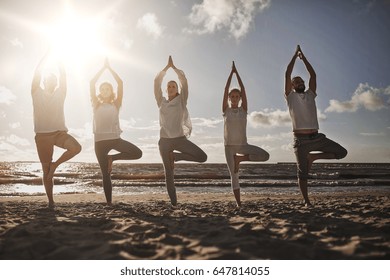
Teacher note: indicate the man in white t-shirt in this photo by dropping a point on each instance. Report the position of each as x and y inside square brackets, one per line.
[303, 112]
[49, 124]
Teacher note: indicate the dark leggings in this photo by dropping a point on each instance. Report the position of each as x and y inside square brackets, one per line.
[126, 151]
[186, 150]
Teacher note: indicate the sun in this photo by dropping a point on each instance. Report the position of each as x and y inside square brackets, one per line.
[74, 39]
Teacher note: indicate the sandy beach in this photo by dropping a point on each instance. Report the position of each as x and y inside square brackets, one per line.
[341, 225]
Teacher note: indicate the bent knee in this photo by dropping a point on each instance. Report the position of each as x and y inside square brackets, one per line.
[341, 154]
[139, 154]
[203, 158]
[75, 148]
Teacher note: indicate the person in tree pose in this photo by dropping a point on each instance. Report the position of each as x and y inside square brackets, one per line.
[49, 123]
[106, 105]
[175, 127]
[237, 148]
[303, 111]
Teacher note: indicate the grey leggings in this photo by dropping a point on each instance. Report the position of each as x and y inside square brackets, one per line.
[320, 143]
[187, 151]
[126, 151]
[255, 154]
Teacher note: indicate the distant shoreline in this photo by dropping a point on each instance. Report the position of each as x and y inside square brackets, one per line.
[25, 178]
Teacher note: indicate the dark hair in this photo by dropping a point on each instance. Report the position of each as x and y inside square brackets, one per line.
[296, 77]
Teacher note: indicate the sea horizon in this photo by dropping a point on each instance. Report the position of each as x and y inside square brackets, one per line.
[23, 178]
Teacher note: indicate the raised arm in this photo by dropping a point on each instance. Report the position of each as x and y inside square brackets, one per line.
[119, 97]
[36, 82]
[225, 101]
[244, 101]
[182, 79]
[312, 73]
[287, 81]
[92, 86]
[158, 95]
[62, 79]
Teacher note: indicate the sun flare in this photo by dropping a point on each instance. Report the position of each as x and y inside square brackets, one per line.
[74, 39]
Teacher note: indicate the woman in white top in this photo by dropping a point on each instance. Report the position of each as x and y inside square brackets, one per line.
[175, 127]
[235, 118]
[106, 128]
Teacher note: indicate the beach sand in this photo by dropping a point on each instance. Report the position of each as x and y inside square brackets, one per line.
[341, 225]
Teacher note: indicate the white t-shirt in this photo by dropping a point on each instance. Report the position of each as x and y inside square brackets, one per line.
[106, 122]
[303, 110]
[235, 120]
[49, 111]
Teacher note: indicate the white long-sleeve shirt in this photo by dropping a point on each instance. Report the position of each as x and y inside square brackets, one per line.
[174, 117]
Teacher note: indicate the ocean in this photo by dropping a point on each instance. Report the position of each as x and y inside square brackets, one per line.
[24, 178]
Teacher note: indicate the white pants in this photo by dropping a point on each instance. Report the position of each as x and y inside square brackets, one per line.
[255, 154]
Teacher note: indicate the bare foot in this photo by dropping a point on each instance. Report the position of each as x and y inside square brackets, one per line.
[308, 205]
[172, 160]
[51, 205]
[109, 164]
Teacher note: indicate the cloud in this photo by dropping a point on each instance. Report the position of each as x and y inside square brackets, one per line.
[235, 16]
[203, 122]
[7, 149]
[268, 118]
[128, 124]
[16, 43]
[14, 125]
[12, 152]
[365, 96]
[287, 147]
[133, 124]
[6, 96]
[149, 23]
[274, 118]
[16, 140]
[372, 134]
[84, 134]
[127, 43]
[271, 137]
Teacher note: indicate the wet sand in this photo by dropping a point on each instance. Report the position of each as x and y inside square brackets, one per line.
[341, 225]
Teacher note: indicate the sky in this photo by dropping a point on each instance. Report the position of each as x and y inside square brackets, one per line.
[347, 42]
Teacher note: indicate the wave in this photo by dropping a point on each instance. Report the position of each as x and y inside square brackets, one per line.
[25, 177]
